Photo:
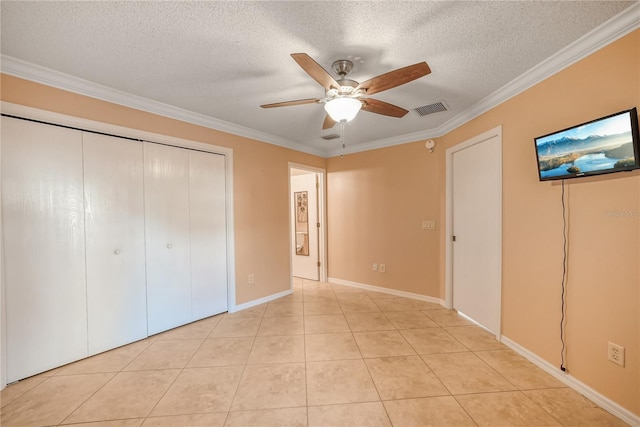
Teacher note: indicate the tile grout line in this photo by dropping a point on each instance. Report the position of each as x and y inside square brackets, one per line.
[2, 406]
[181, 369]
[244, 369]
[179, 373]
[377, 390]
[306, 382]
[426, 364]
[89, 397]
[115, 373]
[465, 410]
[541, 407]
[398, 330]
[445, 385]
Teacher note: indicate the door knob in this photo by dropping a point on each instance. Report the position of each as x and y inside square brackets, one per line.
[169, 246]
[117, 252]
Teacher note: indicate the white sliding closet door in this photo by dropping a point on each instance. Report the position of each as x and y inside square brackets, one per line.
[166, 194]
[114, 221]
[208, 234]
[43, 226]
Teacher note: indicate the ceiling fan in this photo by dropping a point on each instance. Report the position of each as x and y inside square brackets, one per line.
[344, 97]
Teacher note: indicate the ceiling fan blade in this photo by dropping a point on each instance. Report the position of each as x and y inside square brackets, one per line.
[395, 78]
[314, 69]
[380, 107]
[328, 122]
[288, 103]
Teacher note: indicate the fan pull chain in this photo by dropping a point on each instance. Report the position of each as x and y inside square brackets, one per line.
[342, 135]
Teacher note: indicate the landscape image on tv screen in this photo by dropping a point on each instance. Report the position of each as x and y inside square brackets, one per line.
[601, 146]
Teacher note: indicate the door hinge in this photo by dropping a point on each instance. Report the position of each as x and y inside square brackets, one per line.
[453, 238]
[318, 225]
[318, 263]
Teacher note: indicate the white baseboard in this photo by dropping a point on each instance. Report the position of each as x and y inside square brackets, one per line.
[259, 301]
[387, 291]
[602, 401]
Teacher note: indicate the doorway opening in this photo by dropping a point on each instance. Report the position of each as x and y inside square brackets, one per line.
[307, 219]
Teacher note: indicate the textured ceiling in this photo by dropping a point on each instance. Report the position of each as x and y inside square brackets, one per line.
[223, 59]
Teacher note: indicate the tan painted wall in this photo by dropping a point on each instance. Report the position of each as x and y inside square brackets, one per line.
[376, 200]
[261, 201]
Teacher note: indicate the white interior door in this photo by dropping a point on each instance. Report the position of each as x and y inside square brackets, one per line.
[166, 194]
[114, 223]
[44, 241]
[208, 234]
[304, 191]
[477, 230]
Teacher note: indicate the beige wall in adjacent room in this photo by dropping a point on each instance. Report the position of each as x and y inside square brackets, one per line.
[260, 174]
[377, 199]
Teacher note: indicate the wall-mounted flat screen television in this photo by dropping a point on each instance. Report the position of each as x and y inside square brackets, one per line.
[605, 145]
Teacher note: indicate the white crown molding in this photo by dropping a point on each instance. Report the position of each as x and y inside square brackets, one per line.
[386, 142]
[608, 32]
[29, 71]
[620, 25]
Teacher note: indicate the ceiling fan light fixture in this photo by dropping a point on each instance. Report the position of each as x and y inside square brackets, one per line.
[343, 109]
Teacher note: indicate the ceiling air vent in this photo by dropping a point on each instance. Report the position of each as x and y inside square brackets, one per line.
[431, 108]
[330, 137]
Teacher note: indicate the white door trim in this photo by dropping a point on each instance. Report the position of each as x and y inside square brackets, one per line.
[322, 217]
[3, 319]
[495, 132]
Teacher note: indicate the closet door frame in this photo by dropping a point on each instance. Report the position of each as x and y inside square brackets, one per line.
[91, 125]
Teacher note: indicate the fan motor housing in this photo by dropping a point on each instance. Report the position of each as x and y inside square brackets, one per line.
[342, 67]
[347, 85]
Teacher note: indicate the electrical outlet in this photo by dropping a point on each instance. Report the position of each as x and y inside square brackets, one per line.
[375, 267]
[616, 354]
[383, 268]
[428, 225]
[252, 279]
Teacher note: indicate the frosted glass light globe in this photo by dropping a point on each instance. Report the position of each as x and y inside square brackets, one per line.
[343, 109]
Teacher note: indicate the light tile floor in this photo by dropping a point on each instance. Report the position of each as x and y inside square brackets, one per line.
[327, 355]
